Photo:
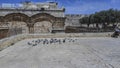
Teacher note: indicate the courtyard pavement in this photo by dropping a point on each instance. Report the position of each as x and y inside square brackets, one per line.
[92, 52]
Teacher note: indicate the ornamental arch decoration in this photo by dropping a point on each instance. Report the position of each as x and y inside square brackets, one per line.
[42, 17]
[16, 17]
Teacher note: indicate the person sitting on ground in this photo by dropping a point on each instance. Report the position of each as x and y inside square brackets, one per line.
[117, 32]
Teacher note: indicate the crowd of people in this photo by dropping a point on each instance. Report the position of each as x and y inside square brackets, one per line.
[51, 41]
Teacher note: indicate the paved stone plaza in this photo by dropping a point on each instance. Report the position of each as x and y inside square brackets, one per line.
[92, 52]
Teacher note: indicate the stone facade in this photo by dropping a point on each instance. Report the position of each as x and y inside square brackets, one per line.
[73, 19]
[36, 18]
[32, 18]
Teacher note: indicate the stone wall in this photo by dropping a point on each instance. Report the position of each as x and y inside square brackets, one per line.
[56, 13]
[26, 24]
[3, 33]
[30, 8]
[73, 19]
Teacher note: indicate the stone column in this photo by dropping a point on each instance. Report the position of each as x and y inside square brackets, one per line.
[53, 26]
[31, 28]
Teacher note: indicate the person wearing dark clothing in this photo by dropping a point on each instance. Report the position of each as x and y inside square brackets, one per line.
[116, 33]
[63, 40]
[29, 43]
[34, 45]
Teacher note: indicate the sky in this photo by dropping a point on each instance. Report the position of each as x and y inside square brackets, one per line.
[78, 6]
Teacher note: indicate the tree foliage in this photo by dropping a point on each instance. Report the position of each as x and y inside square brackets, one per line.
[105, 17]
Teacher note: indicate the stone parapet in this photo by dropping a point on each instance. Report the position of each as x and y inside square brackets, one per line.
[6, 42]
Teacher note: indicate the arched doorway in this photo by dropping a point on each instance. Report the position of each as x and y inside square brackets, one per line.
[43, 27]
[43, 22]
[17, 27]
[17, 23]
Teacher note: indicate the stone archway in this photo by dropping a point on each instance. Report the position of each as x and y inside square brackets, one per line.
[37, 22]
[17, 23]
[18, 27]
[43, 22]
[43, 27]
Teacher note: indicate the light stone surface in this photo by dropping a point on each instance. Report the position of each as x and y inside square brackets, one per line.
[42, 27]
[73, 19]
[92, 52]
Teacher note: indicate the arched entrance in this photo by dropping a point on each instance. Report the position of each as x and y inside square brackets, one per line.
[17, 27]
[17, 23]
[42, 27]
[43, 22]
